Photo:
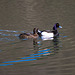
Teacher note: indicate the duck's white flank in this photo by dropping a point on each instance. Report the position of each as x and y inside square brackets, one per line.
[47, 36]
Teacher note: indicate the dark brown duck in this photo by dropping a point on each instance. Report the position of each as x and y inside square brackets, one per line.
[29, 35]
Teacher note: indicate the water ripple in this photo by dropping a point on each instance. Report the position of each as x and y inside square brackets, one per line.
[6, 39]
[11, 31]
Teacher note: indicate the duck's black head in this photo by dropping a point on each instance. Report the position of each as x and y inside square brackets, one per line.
[57, 25]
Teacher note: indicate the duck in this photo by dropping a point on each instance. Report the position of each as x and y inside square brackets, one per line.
[48, 34]
[33, 35]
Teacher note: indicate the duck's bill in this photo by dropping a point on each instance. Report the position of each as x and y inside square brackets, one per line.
[60, 26]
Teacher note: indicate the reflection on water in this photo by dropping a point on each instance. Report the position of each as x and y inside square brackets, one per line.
[8, 34]
[36, 57]
[39, 51]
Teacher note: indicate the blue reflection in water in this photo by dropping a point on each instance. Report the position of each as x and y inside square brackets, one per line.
[25, 39]
[5, 64]
[19, 61]
[11, 31]
[44, 50]
[30, 57]
[63, 36]
[39, 53]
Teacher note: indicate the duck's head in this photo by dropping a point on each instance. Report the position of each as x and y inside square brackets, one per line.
[57, 25]
[35, 30]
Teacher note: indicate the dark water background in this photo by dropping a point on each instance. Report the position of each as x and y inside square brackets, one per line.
[37, 57]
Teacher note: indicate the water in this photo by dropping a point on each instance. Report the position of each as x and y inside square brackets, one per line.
[36, 57]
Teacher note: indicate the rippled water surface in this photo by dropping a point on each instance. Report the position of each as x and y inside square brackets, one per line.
[37, 57]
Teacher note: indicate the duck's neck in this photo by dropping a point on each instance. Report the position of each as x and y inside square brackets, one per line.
[54, 28]
[34, 31]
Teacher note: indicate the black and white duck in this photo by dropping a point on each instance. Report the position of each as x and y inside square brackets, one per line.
[48, 34]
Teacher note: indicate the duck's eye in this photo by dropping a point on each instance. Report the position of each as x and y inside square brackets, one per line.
[57, 25]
